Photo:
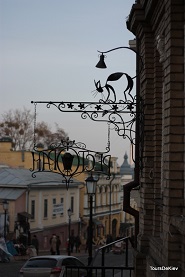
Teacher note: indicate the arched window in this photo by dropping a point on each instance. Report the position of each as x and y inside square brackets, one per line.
[103, 195]
[107, 193]
[98, 196]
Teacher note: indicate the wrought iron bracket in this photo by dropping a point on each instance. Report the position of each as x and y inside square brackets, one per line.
[104, 111]
[122, 113]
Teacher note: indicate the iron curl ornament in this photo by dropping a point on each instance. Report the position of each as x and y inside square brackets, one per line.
[124, 114]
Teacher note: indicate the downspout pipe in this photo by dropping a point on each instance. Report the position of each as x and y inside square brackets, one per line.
[136, 182]
[128, 209]
[110, 203]
[27, 210]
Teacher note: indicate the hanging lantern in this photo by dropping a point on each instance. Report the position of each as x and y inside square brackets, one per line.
[101, 63]
[67, 160]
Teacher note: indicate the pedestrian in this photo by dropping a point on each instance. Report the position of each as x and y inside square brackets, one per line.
[77, 244]
[58, 245]
[35, 243]
[72, 242]
[107, 242]
[88, 244]
[53, 244]
[31, 251]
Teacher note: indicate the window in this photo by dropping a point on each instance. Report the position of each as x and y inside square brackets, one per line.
[101, 196]
[45, 207]
[33, 209]
[54, 202]
[72, 262]
[62, 205]
[72, 204]
[44, 263]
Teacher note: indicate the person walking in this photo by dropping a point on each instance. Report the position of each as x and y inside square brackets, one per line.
[53, 244]
[35, 243]
[77, 244]
[58, 245]
[31, 251]
[72, 242]
[107, 242]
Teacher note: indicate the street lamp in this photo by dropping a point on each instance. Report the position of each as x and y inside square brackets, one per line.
[91, 190]
[101, 63]
[5, 207]
[69, 231]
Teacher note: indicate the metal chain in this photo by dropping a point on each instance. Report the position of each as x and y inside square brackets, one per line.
[108, 143]
[34, 124]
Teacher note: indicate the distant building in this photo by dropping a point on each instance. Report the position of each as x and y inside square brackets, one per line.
[106, 202]
[126, 169]
[38, 205]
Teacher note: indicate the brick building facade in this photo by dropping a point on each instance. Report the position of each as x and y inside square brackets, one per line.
[159, 29]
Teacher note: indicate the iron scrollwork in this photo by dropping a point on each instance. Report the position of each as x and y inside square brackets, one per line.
[108, 110]
[122, 113]
[78, 159]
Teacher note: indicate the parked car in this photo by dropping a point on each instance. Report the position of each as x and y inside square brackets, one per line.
[53, 266]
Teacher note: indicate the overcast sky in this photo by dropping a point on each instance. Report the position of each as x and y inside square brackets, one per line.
[48, 52]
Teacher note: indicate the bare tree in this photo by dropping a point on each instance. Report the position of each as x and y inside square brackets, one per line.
[18, 125]
[45, 136]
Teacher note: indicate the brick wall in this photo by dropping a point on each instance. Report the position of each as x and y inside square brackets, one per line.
[159, 29]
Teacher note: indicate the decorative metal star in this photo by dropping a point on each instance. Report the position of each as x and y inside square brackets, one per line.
[130, 106]
[81, 106]
[70, 105]
[115, 107]
[98, 107]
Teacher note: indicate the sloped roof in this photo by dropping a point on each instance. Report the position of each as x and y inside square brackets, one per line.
[11, 177]
[11, 193]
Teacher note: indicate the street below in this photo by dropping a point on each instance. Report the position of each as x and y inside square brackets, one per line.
[12, 269]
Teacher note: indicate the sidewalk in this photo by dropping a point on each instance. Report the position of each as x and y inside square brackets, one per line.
[62, 252]
[43, 253]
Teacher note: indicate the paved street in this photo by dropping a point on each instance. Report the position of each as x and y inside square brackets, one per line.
[12, 269]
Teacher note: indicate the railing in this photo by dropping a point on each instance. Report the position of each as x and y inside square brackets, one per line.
[98, 271]
[103, 248]
[103, 271]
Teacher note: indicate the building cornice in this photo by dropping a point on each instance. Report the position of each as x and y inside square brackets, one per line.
[147, 14]
[135, 18]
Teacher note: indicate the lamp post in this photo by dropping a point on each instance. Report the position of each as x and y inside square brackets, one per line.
[69, 231]
[91, 190]
[5, 207]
